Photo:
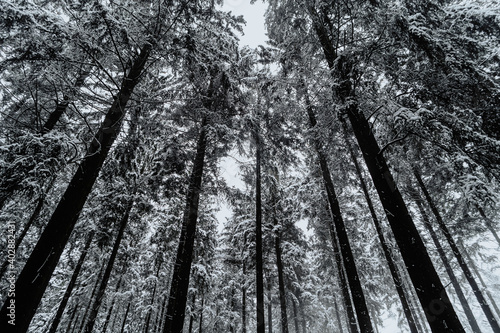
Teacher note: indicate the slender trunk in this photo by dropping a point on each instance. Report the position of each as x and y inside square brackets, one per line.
[110, 310]
[201, 313]
[489, 225]
[463, 265]
[33, 280]
[244, 304]
[71, 285]
[180, 279]
[454, 281]
[71, 318]
[476, 271]
[34, 216]
[91, 299]
[125, 318]
[107, 273]
[281, 285]
[363, 316]
[191, 319]
[337, 314]
[295, 316]
[148, 316]
[303, 315]
[75, 325]
[159, 327]
[396, 276]
[344, 284]
[269, 309]
[258, 237]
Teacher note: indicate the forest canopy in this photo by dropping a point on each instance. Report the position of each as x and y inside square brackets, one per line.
[376, 123]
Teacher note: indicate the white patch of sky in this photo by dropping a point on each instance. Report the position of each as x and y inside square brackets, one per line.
[254, 30]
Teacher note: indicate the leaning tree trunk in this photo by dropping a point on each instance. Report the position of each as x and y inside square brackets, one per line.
[463, 265]
[396, 276]
[110, 310]
[33, 280]
[431, 292]
[107, 273]
[339, 231]
[71, 285]
[125, 318]
[63, 105]
[483, 284]
[453, 278]
[489, 225]
[180, 279]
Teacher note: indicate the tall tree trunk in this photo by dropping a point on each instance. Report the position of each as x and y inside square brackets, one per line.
[110, 310]
[489, 225]
[258, 236]
[63, 105]
[71, 318]
[159, 325]
[281, 285]
[476, 271]
[295, 316]
[303, 315]
[463, 265]
[269, 309]
[431, 292]
[363, 316]
[33, 280]
[191, 316]
[180, 279]
[91, 299]
[449, 270]
[71, 285]
[244, 303]
[337, 314]
[396, 276]
[200, 326]
[107, 273]
[125, 318]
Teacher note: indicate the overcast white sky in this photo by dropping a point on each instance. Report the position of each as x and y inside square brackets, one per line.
[255, 32]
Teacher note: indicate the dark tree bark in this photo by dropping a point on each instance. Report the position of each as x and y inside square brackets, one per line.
[110, 310]
[200, 326]
[71, 318]
[61, 106]
[281, 285]
[269, 308]
[91, 299]
[71, 284]
[337, 314]
[463, 265]
[489, 225]
[476, 271]
[339, 231]
[33, 279]
[295, 316]
[191, 316]
[125, 318]
[396, 276]
[258, 236]
[176, 308]
[244, 304]
[107, 273]
[453, 278]
[430, 290]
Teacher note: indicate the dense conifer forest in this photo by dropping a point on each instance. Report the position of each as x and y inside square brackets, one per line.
[364, 136]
